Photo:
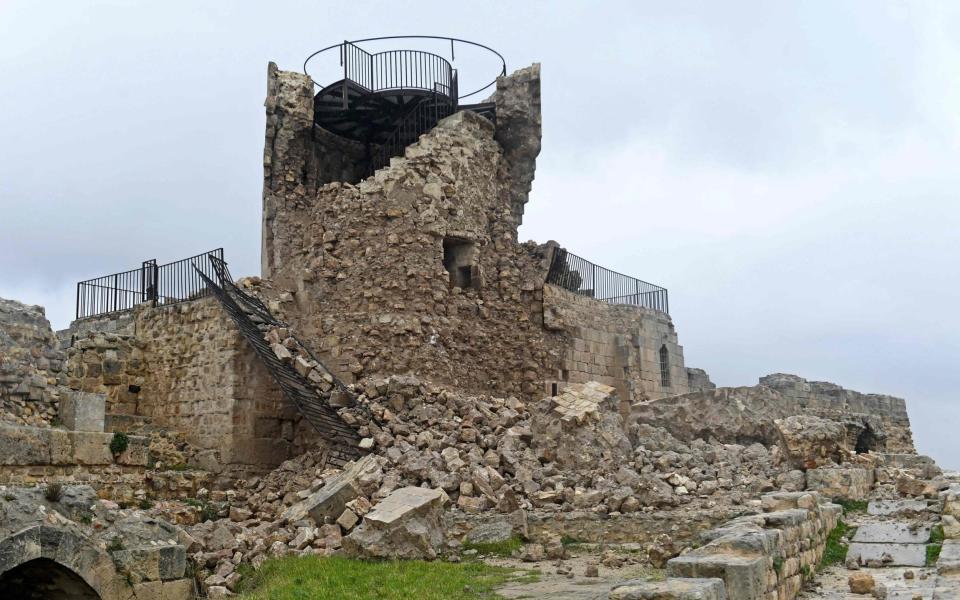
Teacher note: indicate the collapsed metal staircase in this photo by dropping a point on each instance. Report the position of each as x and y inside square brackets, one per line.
[253, 320]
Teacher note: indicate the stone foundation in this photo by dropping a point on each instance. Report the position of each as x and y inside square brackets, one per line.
[757, 557]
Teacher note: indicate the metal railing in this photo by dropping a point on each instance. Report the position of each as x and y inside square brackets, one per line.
[396, 70]
[404, 69]
[418, 121]
[585, 278]
[164, 284]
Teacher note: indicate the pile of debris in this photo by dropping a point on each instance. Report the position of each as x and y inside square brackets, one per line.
[434, 450]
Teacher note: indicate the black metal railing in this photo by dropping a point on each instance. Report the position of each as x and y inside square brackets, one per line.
[585, 278]
[404, 69]
[164, 284]
[417, 122]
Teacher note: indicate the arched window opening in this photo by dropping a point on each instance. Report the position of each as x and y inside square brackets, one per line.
[664, 366]
[44, 579]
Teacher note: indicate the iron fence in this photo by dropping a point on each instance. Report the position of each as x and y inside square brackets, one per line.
[585, 278]
[161, 284]
[418, 121]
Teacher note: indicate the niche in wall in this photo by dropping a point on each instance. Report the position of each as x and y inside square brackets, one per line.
[459, 259]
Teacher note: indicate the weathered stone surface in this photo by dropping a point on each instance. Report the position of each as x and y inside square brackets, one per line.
[861, 583]
[329, 502]
[581, 427]
[406, 524]
[810, 441]
[888, 554]
[848, 483]
[670, 589]
[896, 532]
[83, 411]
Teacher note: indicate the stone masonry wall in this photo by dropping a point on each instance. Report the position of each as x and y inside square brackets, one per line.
[31, 365]
[186, 368]
[765, 556]
[618, 345]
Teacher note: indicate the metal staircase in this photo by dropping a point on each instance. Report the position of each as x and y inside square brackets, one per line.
[387, 100]
[253, 320]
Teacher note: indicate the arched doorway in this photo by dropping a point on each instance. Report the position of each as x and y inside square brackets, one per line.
[44, 579]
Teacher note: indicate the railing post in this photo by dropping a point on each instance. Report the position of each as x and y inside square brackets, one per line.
[344, 61]
[78, 300]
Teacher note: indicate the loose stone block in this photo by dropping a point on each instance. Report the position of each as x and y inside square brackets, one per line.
[670, 589]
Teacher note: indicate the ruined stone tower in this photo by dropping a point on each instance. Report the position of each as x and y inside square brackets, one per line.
[417, 267]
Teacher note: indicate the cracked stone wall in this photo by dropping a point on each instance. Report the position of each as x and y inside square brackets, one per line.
[418, 268]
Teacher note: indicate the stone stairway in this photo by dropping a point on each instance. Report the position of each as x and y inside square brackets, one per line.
[888, 554]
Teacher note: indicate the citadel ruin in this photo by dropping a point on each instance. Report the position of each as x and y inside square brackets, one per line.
[406, 378]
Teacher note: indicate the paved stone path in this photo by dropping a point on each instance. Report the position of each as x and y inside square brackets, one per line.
[891, 542]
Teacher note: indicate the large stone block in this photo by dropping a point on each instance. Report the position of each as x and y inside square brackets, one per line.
[840, 482]
[670, 589]
[406, 524]
[328, 502]
[744, 578]
[83, 411]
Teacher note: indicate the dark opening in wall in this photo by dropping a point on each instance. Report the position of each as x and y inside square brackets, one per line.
[866, 441]
[459, 259]
[664, 366]
[554, 388]
[133, 388]
[44, 579]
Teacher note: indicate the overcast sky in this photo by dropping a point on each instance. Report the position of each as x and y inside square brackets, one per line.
[789, 170]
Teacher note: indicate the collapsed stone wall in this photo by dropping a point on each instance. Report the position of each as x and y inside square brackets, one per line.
[847, 420]
[618, 345]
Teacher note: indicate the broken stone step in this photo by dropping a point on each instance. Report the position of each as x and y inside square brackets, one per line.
[892, 533]
[888, 555]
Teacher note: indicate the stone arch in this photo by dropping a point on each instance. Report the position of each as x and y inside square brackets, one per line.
[69, 550]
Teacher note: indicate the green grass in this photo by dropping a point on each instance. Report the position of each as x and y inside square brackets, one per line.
[567, 540]
[504, 548]
[335, 577]
[852, 506]
[836, 551]
[936, 534]
[933, 554]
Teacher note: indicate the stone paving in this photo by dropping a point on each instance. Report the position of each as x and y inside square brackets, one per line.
[890, 546]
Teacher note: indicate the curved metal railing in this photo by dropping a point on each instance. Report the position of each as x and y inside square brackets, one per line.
[403, 69]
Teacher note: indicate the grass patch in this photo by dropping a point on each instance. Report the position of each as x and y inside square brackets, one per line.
[567, 540]
[933, 554]
[119, 442]
[505, 548]
[936, 534]
[336, 577]
[835, 551]
[852, 506]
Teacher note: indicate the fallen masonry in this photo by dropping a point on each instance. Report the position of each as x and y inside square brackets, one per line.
[408, 381]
